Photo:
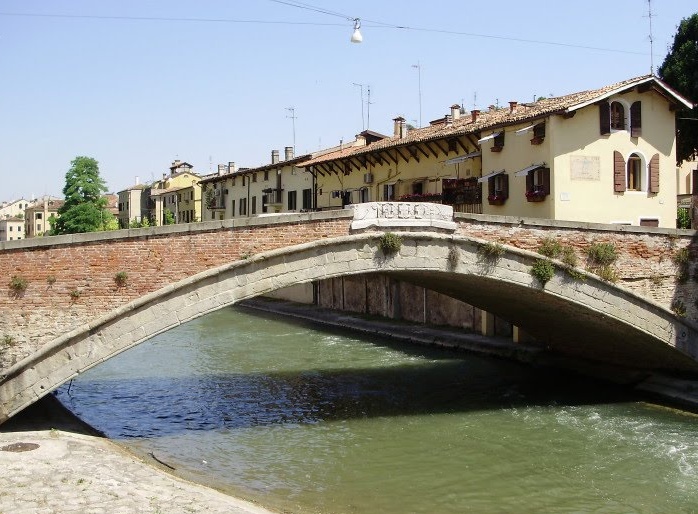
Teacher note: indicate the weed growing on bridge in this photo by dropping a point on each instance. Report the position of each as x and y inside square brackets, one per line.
[550, 248]
[543, 270]
[681, 257]
[679, 308]
[602, 254]
[607, 273]
[453, 258]
[121, 278]
[390, 243]
[8, 340]
[75, 294]
[491, 251]
[18, 285]
[51, 279]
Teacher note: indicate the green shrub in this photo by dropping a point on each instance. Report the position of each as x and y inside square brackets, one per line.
[607, 273]
[18, 285]
[679, 308]
[681, 256]
[683, 218]
[550, 248]
[543, 270]
[491, 251]
[121, 278]
[569, 257]
[390, 243]
[8, 340]
[602, 254]
[51, 279]
[75, 294]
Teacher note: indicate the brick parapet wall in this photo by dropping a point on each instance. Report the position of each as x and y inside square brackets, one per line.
[73, 278]
[646, 256]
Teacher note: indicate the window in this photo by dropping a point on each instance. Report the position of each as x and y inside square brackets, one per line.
[307, 199]
[243, 181]
[38, 227]
[292, 200]
[38, 216]
[538, 134]
[498, 189]
[649, 222]
[232, 182]
[364, 196]
[254, 204]
[389, 192]
[617, 116]
[11, 228]
[498, 143]
[254, 177]
[417, 188]
[266, 174]
[537, 184]
[243, 206]
[634, 173]
[232, 207]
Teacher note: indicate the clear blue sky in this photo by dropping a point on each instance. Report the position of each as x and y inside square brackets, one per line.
[137, 93]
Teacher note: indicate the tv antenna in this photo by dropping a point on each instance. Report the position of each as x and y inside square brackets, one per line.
[292, 110]
[363, 123]
[649, 15]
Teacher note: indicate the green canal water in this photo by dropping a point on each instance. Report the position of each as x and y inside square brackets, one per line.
[305, 420]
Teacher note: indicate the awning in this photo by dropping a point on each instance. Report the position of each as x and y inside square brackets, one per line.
[523, 130]
[462, 158]
[526, 170]
[487, 138]
[490, 175]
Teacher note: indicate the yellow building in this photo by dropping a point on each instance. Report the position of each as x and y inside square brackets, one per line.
[179, 193]
[37, 216]
[133, 205]
[605, 155]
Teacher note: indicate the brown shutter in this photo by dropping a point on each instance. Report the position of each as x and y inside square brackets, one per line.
[604, 118]
[529, 181]
[546, 180]
[490, 186]
[654, 174]
[694, 190]
[618, 172]
[505, 185]
[636, 119]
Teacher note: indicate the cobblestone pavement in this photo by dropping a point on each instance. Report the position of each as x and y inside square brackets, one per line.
[77, 473]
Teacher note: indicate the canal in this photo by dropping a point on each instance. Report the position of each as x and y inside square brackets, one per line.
[302, 420]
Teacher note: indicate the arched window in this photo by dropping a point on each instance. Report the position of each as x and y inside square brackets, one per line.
[634, 173]
[617, 116]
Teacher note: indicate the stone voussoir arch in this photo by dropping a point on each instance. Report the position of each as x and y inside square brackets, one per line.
[446, 263]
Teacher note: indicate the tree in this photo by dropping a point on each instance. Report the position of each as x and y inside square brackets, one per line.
[169, 218]
[680, 71]
[84, 209]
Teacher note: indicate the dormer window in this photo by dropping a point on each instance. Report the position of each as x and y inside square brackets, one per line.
[619, 115]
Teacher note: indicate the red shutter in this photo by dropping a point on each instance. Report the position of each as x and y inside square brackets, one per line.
[618, 172]
[654, 174]
[546, 180]
[604, 118]
[636, 119]
[529, 181]
[505, 185]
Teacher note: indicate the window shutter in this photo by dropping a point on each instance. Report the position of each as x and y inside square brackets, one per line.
[618, 172]
[546, 180]
[490, 186]
[605, 118]
[505, 185]
[654, 174]
[636, 119]
[529, 180]
[694, 189]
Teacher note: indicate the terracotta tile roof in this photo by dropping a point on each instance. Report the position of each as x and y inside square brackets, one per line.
[246, 171]
[493, 119]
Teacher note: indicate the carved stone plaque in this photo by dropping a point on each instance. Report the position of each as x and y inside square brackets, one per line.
[402, 214]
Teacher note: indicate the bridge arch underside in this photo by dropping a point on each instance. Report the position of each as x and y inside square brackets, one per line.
[588, 319]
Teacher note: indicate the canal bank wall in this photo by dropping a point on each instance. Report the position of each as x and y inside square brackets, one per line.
[668, 390]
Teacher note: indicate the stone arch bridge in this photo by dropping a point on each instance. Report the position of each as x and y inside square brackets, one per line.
[89, 297]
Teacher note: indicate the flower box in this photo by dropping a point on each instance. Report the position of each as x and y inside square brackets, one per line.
[496, 200]
[537, 141]
[496, 148]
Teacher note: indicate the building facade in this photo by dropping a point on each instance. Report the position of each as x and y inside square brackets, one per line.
[37, 216]
[11, 228]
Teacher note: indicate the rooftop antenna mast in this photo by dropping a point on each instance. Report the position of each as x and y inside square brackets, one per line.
[368, 108]
[292, 110]
[649, 15]
[363, 121]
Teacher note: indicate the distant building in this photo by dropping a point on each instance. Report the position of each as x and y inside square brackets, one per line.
[13, 209]
[37, 216]
[11, 228]
[179, 193]
[132, 205]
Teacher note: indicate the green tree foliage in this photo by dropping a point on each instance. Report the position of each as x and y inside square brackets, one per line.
[84, 209]
[169, 218]
[680, 71]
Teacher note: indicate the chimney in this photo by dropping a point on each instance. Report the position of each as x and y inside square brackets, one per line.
[399, 127]
[512, 106]
[455, 112]
[221, 169]
[360, 140]
[448, 119]
[164, 176]
[231, 167]
[288, 153]
[475, 113]
[274, 156]
[138, 180]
